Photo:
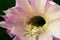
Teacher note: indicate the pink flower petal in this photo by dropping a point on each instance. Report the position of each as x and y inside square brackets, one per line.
[33, 3]
[16, 38]
[24, 4]
[18, 30]
[39, 5]
[10, 34]
[14, 16]
[53, 11]
[27, 38]
[6, 25]
[46, 36]
[56, 38]
[55, 28]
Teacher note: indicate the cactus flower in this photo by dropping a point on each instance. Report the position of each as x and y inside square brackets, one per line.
[33, 20]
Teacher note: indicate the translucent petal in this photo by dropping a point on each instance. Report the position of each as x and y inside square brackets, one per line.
[27, 38]
[24, 4]
[53, 11]
[43, 36]
[46, 36]
[6, 25]
[16, 38]
[39, 5]
[14, 16]
[18, 30]
[10, 34]
[55, 28]
[54, 38]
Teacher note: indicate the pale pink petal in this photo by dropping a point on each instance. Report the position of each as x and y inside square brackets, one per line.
[53, 11]
[16, 38]
[27, 38]
[14, 16]
[39, 5]
[6, 25]
[54, 27]
[46, 36]
[10, 34]
[33, 3]
[17, 23]
[54, 38]
[24, 4]
[18, 30]
[15, 11]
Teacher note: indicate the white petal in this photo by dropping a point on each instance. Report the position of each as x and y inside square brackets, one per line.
[55, 28]
[46, 36]
[53, 11]
[54, 15]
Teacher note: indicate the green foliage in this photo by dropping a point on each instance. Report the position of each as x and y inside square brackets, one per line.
[4, 35]
[2, 13]
[1, 19]
[57, 1]
[5, 4]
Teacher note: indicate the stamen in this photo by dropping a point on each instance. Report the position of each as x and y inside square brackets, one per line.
[35, 26]
[32, 30]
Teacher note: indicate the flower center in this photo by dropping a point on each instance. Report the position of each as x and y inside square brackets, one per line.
[36, 25]
[37, 21]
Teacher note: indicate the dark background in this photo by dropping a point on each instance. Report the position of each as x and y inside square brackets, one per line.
[4, 5]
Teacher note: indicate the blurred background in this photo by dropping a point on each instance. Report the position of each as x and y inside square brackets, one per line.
[4, 5]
